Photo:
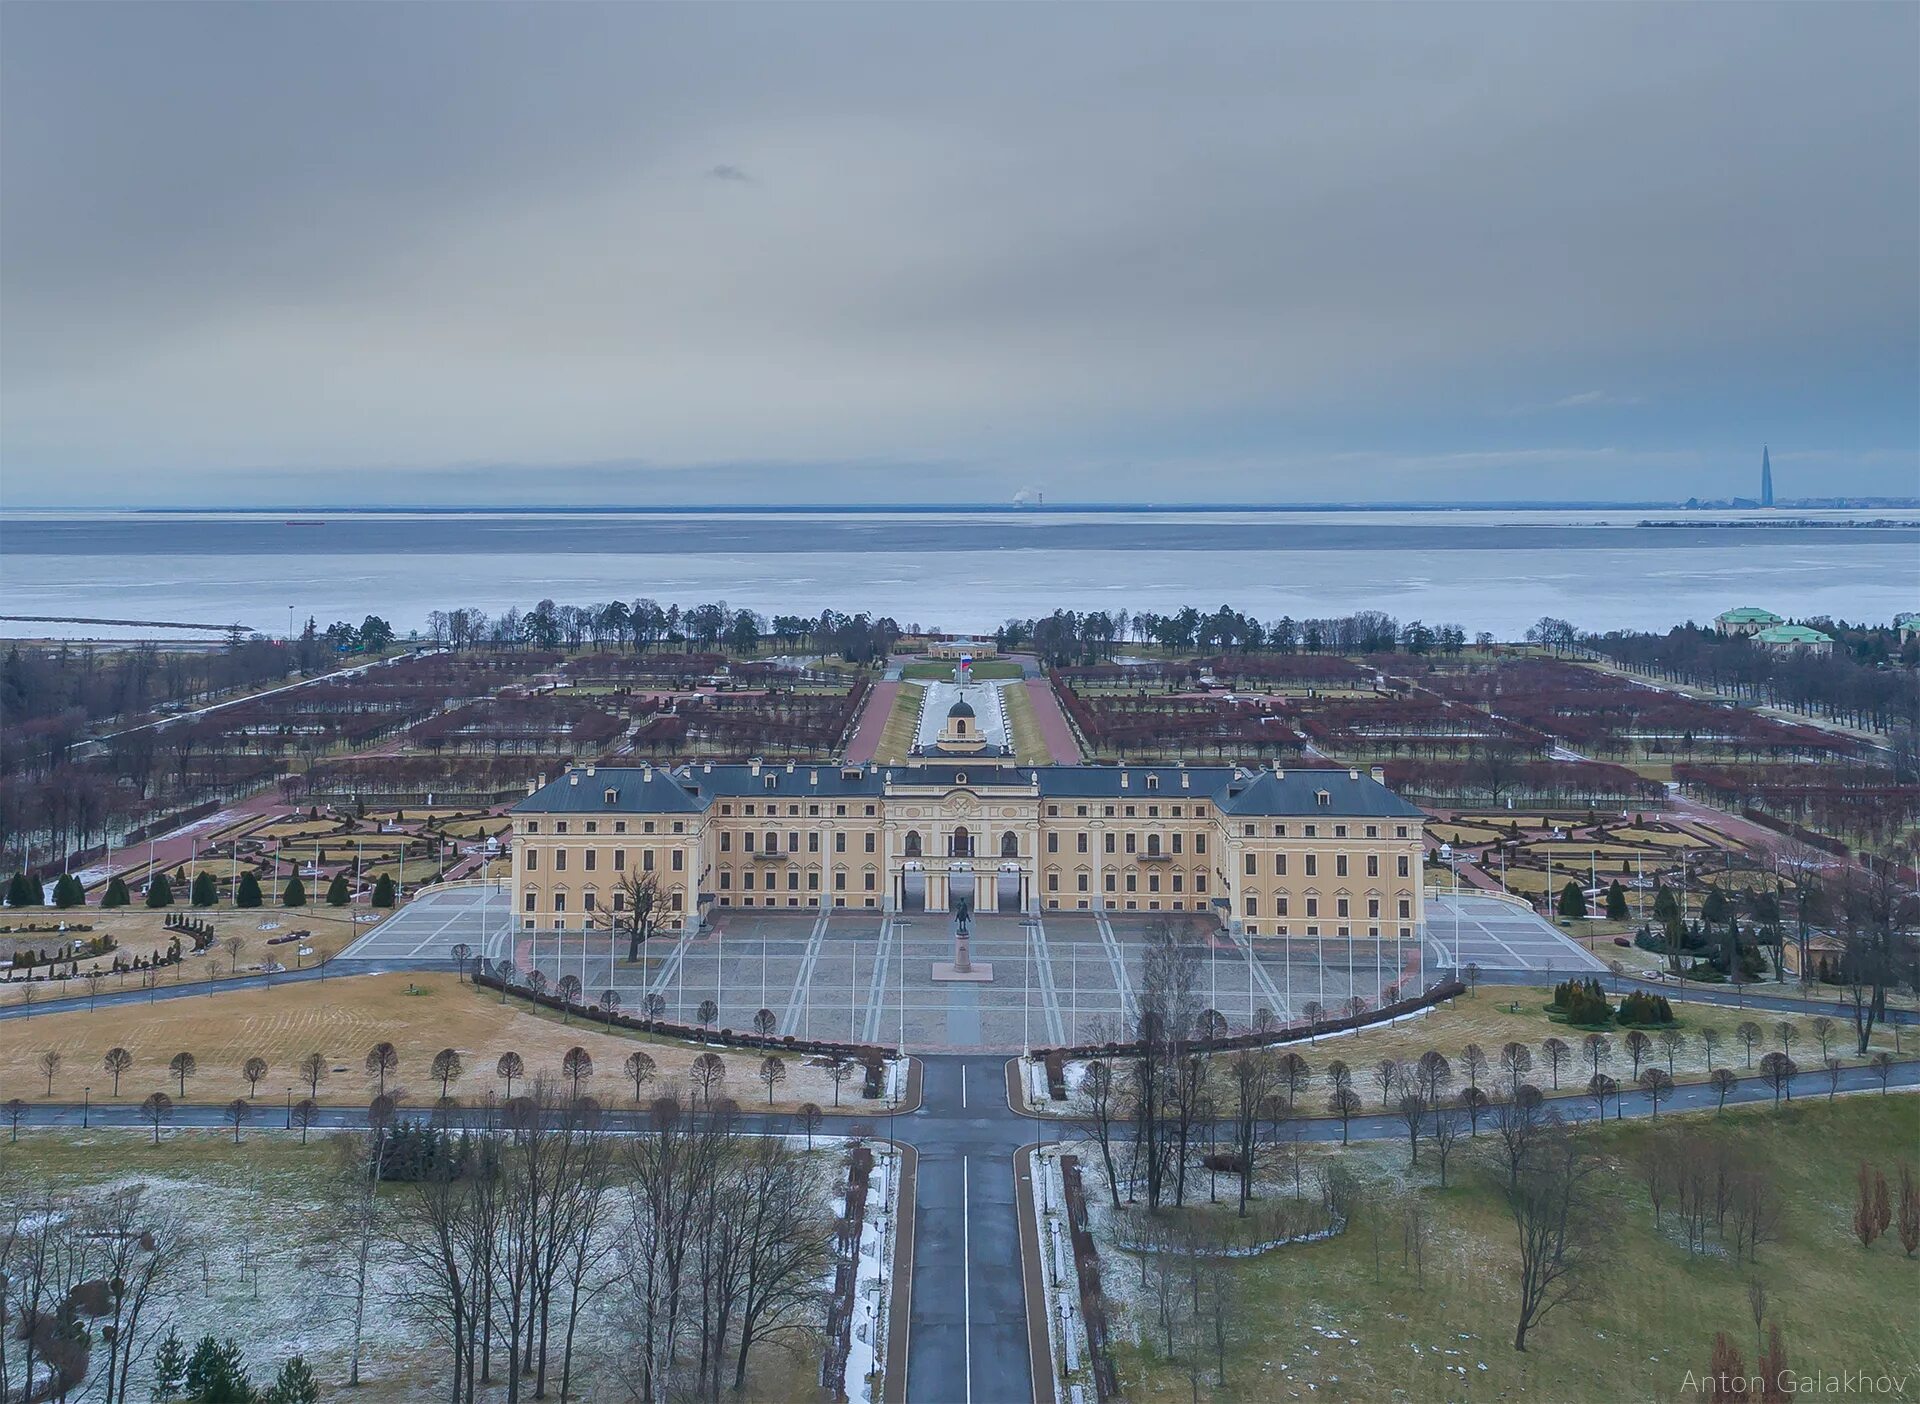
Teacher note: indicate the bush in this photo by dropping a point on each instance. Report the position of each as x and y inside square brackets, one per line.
[1581, 1002]
[1645, 1011]
[1225, 1162]
[67, 892]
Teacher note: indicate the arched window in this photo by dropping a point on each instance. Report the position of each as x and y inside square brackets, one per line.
[961, 845]
[1009, 844]
[1153, 845]
[913, 843]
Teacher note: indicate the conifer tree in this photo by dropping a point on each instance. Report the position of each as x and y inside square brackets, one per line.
[205, 893]
[249, 893]
[337, 896]
[21, 892]
[383, 891]
[1573, 902]
[1616, 901]
[294, 1384]
[169, 1368]
[67, 892]
[160, 891]
[116, 894]
[295, 894]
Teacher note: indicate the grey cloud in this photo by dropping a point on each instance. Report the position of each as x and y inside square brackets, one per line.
[1121, 246]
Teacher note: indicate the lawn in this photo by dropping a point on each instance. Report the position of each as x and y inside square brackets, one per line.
[896, 737]
[1024, 726]
[1354, 1317]
[275, 1256]
[342, 1019]
[1499, 1014]
[142, 932]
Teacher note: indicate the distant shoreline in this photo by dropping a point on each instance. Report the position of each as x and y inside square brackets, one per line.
[937, 509]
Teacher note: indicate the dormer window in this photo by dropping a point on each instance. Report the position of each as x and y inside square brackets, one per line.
[1153, 782]
[1323, 798]
[773, 782]
[612, 795]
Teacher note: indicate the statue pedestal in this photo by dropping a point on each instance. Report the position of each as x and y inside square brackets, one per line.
[949, 970]
[961, 967]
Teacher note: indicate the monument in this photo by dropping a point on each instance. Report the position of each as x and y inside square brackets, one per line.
[961, 967]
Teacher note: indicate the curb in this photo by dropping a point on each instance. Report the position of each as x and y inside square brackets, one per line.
[1033, 1285]
[893, 1388]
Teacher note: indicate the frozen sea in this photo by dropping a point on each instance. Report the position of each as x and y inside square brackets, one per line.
[1484, 569]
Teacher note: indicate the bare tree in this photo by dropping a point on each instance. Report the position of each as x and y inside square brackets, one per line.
[1657, 1084]
[1516, 1061]
[461, 953]
[1555, 1222]
[645, 904]
[1557, 1054]
[1255, 1072]
[765, 1022]
[567, 988]
[1777, 1070]
[117, 1062]
[1710, 1043]
[49, 1063]
[1638, 1047]
[313, 1071]
[1749, 1035]
[1601, 1087]
[157, 1111]
[1386, 1077]
[839, 1069]
[773, 1072]
[639, 1067]
[1671, 1041]
[1722, 1081]
[253, 1070]
[1823, 1032]
[239, 1112]
[446, 1067]
[382, 1060]
[183, 1066]
[305, 1112]
[576, 1065]
[706, 1074]
[810, 1117]
[510, 1066]
[15, 1110]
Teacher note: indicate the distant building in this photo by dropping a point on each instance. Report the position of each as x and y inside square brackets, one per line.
[1908, 625]
[1746, 620]
[953, 649]
[1766, 478]
[1792, 638]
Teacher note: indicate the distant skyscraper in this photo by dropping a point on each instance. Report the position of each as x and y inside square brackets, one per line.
[1766, 478]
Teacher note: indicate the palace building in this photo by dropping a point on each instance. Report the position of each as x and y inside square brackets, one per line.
[1274, 852]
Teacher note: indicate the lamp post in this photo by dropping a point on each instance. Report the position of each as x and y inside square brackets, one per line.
[289, 1106]
[86, 1107]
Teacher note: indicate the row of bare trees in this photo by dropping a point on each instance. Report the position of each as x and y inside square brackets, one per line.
[696, 1242]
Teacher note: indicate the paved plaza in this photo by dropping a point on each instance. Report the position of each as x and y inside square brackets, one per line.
[1499, 935]
[868, 978]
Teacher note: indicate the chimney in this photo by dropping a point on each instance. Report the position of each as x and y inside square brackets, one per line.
[789, 767]
[1378, 773]
[532, 785]
[1353, 775]
[756, 767]
[1276, 766]
[813, 777]
[573, 777]
[1123, 780]
[646, 772]
[589, 772]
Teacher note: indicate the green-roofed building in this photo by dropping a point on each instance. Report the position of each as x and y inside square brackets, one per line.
[1908, 624]
[1746, 620]
[1791, 638]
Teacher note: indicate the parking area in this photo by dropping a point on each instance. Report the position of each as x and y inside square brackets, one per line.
[1495, 935]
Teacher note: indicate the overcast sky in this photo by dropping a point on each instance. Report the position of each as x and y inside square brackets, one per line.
[463, 252]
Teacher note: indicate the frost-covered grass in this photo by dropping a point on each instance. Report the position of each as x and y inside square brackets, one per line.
[274, 1263]
[1350, 1318]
